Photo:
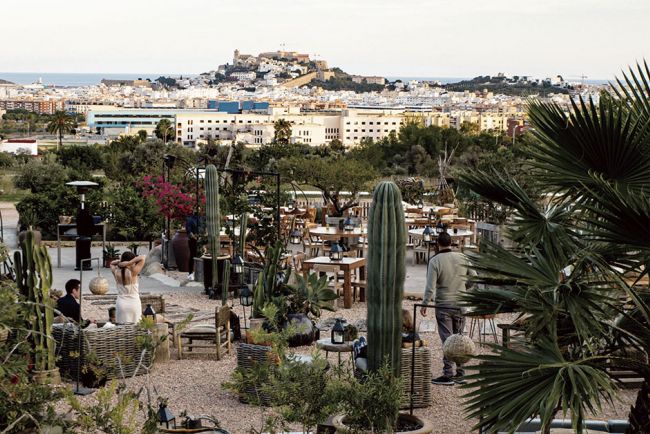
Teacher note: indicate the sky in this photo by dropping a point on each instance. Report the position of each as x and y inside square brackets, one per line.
[415, 38]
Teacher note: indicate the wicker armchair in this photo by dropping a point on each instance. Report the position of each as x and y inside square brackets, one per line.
[117, 348]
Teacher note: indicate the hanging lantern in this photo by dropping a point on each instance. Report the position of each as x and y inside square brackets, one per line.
[427, 234]
[295, 237]
[336, 252]
[237, 264]
[337, 332]
[246, 296]
[149, 312]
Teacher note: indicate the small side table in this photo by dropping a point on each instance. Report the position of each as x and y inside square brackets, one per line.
[328, 346]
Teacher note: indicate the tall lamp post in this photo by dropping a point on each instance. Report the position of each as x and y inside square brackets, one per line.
[514, 133]
[168, 164]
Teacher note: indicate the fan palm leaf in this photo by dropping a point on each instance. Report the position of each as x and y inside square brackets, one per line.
[511, 386]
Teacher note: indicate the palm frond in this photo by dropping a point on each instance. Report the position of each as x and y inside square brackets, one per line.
[512, 386]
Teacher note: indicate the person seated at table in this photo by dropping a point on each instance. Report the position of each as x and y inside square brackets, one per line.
[68, 305]
[128, 308]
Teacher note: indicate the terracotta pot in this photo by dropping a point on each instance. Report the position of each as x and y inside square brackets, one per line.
[427, 427]
[181, 247]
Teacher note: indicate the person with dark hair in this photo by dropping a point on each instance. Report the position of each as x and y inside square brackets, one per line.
[128, 308]
[446, 278]
[68, 305]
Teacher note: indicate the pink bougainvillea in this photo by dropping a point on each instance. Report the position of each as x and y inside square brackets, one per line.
[171, 200]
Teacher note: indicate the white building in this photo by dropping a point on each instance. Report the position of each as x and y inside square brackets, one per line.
[20, 146]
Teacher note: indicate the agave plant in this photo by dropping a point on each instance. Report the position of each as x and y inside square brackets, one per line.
[585, 223]
[310, 295]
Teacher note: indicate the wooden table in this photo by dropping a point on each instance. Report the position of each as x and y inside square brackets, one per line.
[347, 265]
[62, 229]
[333, 233]
[459, 234]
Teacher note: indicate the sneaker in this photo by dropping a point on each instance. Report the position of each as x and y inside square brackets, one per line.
[459, 379]
[443, 381]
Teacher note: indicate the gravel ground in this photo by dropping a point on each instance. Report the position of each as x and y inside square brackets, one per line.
[195, 385]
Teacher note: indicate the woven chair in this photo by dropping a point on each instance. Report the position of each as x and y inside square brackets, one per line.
[117, 348]
[218, 336]
[422, 396]
[248, 357]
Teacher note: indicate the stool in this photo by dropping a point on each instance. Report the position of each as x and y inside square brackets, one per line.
[481, 322]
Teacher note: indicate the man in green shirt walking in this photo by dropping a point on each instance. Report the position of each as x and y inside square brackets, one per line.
[446, 278]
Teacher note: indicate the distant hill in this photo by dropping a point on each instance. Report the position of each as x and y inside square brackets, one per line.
[5, 82]
[343, 81]
[500, 85]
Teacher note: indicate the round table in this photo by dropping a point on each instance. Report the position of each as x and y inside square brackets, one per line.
[328, 346]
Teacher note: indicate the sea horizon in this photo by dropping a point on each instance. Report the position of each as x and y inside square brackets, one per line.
[79, 79]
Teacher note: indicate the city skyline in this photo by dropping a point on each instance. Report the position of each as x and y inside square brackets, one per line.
[424, 38]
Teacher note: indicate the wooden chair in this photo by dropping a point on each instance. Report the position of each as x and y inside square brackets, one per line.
[311, 245]
[217, 336]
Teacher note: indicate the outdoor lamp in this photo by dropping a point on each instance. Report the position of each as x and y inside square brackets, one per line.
[237, 264]
[337, 332]
[348, 225]
[426, 235]
[295, 237]
[290, 204]
[165, 416]
[246, 296]
[420, 204]
[336, 252]
[149, 312]
[169, 160]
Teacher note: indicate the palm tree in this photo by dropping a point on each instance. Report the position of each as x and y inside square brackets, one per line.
[282, 129]
[164, 130]
[60, 123]
[581, 318]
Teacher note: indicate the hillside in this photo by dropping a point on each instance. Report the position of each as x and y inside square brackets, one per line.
[500, 85]
[5, 82]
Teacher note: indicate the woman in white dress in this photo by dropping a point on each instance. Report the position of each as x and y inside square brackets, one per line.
[128, 308]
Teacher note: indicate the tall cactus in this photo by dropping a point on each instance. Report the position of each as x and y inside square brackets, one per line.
[213, 219]
[386, 271]
[225, 286]
[243, 225]
[34, 278]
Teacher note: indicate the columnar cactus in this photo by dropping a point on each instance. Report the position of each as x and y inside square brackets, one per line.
[34, 279]
[386, 271]
[212, 218]
[243, 225]
[225, 286]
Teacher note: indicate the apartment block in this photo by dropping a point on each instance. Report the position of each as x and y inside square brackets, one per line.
[33, 105]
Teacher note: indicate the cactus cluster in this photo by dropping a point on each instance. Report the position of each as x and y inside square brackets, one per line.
[212, 218]
[267, 283]
[33, 270]
[386, 272]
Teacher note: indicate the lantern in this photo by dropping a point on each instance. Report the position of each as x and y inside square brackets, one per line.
[337, 332]
[295, 237]
[427, 234]
[237, 264]
[348, 225]
[149, 312]
[246, 296]
[420, 204]
[290, 205]
[165, 416]
[336, 252]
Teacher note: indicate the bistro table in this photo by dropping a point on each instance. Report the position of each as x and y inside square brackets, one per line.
[333, 233]
[329, 347]
[347, 265]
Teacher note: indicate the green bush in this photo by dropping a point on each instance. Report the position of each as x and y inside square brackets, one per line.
[132, 216]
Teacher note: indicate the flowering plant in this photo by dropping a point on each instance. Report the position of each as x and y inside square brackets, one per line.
[172, 201]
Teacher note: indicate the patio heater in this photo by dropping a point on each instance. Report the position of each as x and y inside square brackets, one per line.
[168, 164]
[80, 390]
[85, 224]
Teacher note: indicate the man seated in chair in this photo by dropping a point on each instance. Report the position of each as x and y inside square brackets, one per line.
[68, 305]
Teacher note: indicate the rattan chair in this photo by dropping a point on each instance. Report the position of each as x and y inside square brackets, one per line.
[218, 336]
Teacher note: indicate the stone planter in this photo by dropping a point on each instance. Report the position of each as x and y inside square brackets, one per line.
[427, 427]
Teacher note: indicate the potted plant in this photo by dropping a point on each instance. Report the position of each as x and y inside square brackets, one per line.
[372, 405]
[33, 271]
[110, 254]
[29, 221]
[308, 297]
